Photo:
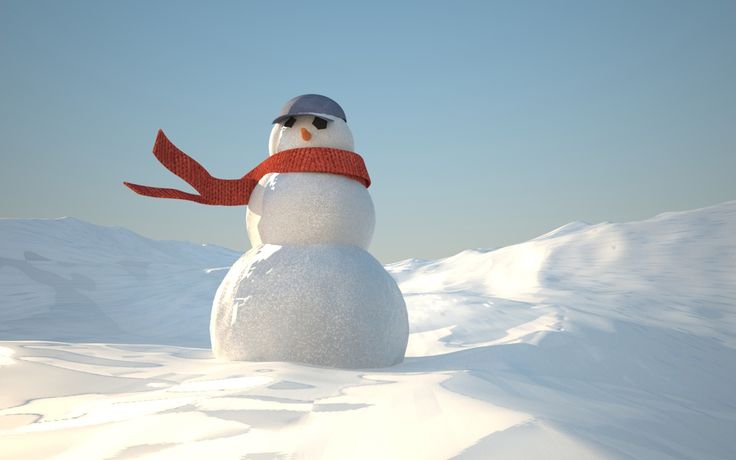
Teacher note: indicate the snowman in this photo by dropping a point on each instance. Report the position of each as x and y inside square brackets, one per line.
[308, 291]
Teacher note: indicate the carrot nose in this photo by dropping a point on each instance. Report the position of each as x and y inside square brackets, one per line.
[306, 135]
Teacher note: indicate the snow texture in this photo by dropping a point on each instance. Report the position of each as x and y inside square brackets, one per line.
[604, 341]
[301, 208]
[323, 304]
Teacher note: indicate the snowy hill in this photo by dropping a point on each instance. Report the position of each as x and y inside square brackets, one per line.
[677, 270]
[68, 280]
[591, 341]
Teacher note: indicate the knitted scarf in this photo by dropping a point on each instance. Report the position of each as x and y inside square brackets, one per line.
[236, 192]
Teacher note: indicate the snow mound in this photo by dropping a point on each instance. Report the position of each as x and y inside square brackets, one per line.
[68, 280]
[676, 267]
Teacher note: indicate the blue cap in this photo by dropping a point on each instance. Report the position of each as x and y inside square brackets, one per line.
[310, 104]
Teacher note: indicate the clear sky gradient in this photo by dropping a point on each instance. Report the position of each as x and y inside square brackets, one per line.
[482, 123]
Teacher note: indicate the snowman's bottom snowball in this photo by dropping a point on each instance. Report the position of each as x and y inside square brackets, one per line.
[328, 305]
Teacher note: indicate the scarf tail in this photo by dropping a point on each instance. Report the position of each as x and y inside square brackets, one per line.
[157, 192]
[212, 191]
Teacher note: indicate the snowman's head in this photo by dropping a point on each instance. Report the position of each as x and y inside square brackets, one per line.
[318, 130]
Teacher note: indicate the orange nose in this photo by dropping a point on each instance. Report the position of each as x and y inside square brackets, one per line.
[306, 135]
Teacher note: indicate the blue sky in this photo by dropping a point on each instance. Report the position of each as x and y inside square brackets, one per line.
[482, 123]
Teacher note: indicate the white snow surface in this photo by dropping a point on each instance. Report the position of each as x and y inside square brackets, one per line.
[592, 341]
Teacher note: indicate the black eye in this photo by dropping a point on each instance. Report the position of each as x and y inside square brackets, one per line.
[290, 122]
[319, 123]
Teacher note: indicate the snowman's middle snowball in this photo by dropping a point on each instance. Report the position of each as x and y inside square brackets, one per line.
[310, 208]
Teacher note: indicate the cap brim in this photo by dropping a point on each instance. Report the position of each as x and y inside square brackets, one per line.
[327, 117]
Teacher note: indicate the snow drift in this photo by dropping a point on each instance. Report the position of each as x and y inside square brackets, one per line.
[592, 341]
[68, 280]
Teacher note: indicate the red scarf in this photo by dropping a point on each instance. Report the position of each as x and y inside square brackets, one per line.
[236, 192]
